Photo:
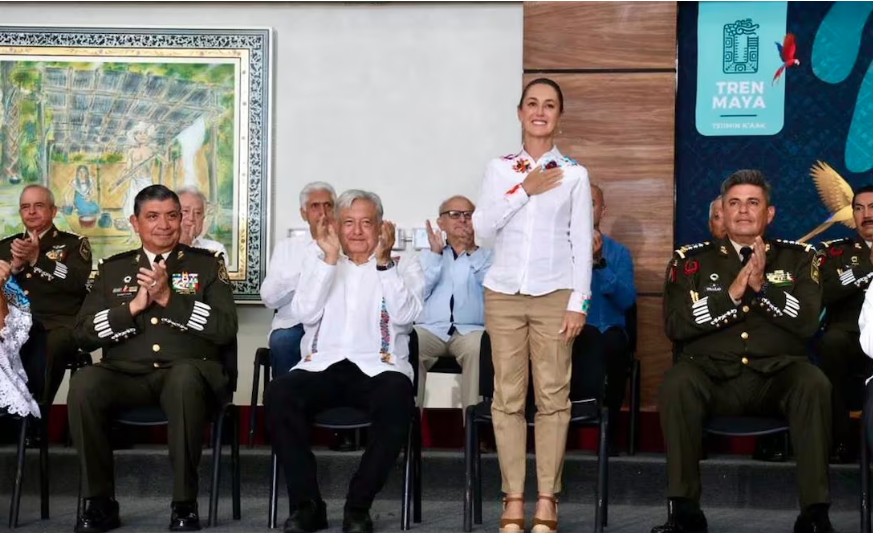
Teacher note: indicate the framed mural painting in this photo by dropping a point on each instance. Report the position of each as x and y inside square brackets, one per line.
[97, 114]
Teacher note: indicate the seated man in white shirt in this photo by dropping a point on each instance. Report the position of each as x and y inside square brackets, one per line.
[193, 214]
[357, 307]
[317, 201]
[454, 302]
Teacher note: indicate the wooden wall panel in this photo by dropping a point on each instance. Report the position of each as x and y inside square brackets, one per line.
[615, 62]
[620, 127]
[599, 35]
[654, 349]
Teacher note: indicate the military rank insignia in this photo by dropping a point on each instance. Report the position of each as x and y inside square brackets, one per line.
[85, 249]
[222, 272]
[185, 282]
[780, 278]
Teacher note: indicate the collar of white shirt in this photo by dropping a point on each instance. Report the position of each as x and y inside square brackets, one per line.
[552, 154]
[152, 255]
[738, 247]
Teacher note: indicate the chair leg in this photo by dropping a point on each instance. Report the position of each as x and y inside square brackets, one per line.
[477, 476]
[43, 468]
[634, 433]
[469, 442]
[253, 410]
[274, 492]
[218, 427]
[15, 505]
[865, 477]
[600, 510]
[234, 461]
[407, 478]
[416, 471]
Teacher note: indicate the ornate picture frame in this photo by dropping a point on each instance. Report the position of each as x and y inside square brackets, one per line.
[98, 113]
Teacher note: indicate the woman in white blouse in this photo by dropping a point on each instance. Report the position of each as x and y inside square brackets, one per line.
[15, 322]
[535, 210]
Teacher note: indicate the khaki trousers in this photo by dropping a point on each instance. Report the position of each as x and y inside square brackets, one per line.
[525, 328]
[464, 348]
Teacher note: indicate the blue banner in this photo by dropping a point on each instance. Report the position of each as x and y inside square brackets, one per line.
[738, 58]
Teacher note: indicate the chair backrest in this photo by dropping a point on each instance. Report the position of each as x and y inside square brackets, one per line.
[413, 357]
[230, 360]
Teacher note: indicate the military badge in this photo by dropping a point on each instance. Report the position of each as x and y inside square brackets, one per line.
[835, 252]
[185, 282]
[713, 276]
[722, 250]
[855, 261]
[85, 249]
[780, 278]
[691, 267]
[813, 269]
[222, 272]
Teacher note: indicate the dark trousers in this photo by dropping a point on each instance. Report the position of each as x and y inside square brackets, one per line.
[285, 349]
[799, 391]
[60, 348]
[594, 350]
[98, 394]
[295, 398]
[846, 366]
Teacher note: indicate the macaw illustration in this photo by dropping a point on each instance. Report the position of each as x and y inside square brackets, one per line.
[836, 194]
[786, 53]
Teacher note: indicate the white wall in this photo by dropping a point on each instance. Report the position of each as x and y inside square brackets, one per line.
[406, 100]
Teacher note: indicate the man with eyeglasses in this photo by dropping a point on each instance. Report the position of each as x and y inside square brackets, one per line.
[453, 318]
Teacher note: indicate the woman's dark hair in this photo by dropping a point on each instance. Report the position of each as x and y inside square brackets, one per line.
[544, 81]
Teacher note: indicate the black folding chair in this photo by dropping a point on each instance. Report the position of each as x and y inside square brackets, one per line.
[35, 347]
[864, 450]
[631, 327]
[261, 364]
[349, 418]
[154, 416]
[588, 412]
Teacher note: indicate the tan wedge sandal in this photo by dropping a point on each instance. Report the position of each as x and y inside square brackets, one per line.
[546, 526]
[512, 525]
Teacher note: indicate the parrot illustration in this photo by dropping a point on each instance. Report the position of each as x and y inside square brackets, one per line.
[836, 194]
[786, 53]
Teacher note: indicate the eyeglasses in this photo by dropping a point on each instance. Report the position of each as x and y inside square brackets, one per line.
[455, 215]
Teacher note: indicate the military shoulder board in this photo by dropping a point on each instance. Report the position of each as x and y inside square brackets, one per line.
[796, 245]
[693, 249]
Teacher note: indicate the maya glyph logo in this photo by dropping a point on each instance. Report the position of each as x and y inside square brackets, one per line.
[741, 47]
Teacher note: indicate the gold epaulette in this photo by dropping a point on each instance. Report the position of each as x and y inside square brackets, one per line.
[794, 244]
[693, 249]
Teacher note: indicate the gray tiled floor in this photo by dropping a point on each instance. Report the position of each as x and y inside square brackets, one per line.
[151, 515]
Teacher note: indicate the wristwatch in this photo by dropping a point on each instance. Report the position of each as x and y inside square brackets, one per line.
[388, 266]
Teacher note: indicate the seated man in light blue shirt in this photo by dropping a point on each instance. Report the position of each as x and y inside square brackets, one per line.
[604, 336]
[454, 317]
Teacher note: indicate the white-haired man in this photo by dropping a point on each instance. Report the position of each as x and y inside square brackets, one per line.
[193, 215]
[317, 200]
[358, 308]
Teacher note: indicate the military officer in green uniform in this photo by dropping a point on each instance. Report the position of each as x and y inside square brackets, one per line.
[52, 267]
[846, 271]
[740, 311]
[161, 313]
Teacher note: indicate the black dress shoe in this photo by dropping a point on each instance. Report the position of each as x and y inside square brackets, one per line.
[308, 516]
[101, 515]
[769, 449]
[814, 519]
[184, 517]
[683, 516]
[843, 455]
[357, 521]
[343, 441]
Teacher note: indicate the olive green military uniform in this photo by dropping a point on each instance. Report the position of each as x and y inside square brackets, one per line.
[56, 286]
[846, 272]
[743, 359]
[168, 356]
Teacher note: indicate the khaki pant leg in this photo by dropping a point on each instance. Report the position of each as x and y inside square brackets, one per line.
[430, 348]
[551, 363]
[465, 348]
[506, 323]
